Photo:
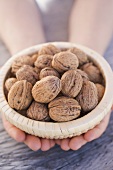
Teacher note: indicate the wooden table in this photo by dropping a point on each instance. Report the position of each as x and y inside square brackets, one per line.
[96, 155]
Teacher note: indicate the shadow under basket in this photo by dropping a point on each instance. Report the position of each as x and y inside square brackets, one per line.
[60, 130]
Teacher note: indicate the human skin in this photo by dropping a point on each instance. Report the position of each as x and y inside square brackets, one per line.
[91, 24]
[22, 22]
[21, 28]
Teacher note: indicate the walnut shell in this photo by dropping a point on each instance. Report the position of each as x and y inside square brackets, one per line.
[100, 90]
[49, 49]
[43, 61]
[38, 111]
[93, 72]
[48, 71]
[34, 57]
[83, 74]
[46, 89]
[28, 73]
[63, 109]
[71, 83]
[19, 96]
[88, 96]
[9, 83]
[20, 61]
[82, 57]
[65, 61]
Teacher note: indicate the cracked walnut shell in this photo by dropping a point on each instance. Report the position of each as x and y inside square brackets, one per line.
[20, 61]
[28, 73]
[88, 96]
[49, 49]
[46, 89]
[63, 109]
[19, 96]
[43, 61]
[48, 71]
[65, 61]
[71, 83]
[38, 111]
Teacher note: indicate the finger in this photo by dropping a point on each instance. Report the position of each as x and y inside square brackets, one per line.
[98, 130]
[33, 142]
[52, 143]
[45, 144]
[58, 141]
[65, 144]
[77, 142]
[13, 131]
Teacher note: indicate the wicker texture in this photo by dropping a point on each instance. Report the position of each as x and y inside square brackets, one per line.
[67, 129]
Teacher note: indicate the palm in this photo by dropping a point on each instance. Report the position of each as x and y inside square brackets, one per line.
[77, 142]
[33, 142]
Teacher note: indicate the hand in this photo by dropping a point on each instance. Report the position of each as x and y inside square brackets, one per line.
[77, 142]
[33, 142]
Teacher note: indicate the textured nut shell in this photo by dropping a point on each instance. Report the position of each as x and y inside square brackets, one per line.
[65, 61]
[46, 89]
[49, 49]
[37, 70]
[88, 96]
[19, 96]
[93, 72]
[64, 109]
[100, 90]
[9, 83]
[82, 57]
[28, 73]
[20, 61]
[43, 61]
[83, 74]
[71, 83]
[34, 57]
[48, 71]
[37, 111]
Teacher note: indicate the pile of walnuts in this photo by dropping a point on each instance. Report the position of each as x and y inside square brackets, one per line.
[54, 84]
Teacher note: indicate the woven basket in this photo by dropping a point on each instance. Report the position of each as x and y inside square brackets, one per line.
[63, 129]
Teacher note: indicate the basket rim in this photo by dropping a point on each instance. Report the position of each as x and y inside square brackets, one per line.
[95, 115]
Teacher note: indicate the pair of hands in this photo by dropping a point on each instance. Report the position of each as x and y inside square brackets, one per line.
[74, 143]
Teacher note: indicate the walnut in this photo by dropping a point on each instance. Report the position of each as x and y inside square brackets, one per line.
[38, 111]
[83, 74]
[48, 71]
[28, 73]
[43, 61]
[65, 61]
[46, 89]
[82, 57]
[37, 70]
[34, 57]
[88, 96]
[100, 90]
[63, 109]
[49, 49]
[9, 83]
[20, 61]
[93, 72]
[71, 83]
[19, 96]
